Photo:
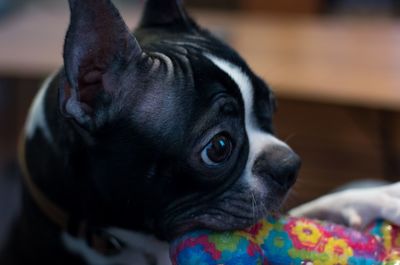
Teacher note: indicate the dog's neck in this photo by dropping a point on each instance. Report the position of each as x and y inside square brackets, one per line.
[56, 157]
[60, 157]
[36, 230]
[36, 239]
[52, 150]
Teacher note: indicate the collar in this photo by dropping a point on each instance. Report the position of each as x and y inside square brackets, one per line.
[96, 238]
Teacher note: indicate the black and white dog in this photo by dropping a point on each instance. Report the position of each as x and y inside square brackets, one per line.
[146, 135]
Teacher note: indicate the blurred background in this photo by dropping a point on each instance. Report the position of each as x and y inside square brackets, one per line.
[334, 65]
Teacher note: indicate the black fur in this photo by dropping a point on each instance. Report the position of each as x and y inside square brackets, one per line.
[128, 126]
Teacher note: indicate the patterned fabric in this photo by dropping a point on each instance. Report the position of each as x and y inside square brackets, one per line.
[287, 241]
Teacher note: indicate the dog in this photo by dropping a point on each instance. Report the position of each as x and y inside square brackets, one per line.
[142, 136]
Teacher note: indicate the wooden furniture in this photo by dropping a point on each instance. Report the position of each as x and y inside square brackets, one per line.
[353, 62]
[338, 83]
[283, 6]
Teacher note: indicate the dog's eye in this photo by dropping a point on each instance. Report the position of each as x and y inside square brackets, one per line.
[217, 151]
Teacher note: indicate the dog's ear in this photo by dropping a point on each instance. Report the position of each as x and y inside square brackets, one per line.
[98, 43]
[167, 13]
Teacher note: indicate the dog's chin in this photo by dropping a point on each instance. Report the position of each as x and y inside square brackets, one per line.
[218, 223]
[225, 215]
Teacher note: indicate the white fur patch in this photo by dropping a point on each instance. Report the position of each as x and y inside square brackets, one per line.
[138, 247]
[258, 139]
[185, 44]
[145, 243]
[37, 116]
[356, 207]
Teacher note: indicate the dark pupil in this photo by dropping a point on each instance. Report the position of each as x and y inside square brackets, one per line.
[219, 149]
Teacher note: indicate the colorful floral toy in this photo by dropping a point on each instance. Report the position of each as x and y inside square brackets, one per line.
[286, 241]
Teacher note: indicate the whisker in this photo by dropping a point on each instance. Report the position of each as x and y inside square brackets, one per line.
[264, 210]
[253, 206]
[290, 137]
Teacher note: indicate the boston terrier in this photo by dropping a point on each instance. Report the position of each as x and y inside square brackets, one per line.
[142, 136]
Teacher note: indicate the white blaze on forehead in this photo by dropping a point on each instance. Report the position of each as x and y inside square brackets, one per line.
[37, 116]
[258, 139]
[242, 81]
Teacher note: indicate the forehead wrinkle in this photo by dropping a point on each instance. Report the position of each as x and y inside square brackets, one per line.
[167, 61]
[156, 65]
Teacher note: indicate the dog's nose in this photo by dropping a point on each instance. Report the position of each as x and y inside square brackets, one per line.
[279, 164]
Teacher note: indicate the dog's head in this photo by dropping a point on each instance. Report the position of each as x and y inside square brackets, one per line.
[180, 127]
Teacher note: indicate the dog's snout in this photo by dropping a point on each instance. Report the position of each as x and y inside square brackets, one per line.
[279, 164]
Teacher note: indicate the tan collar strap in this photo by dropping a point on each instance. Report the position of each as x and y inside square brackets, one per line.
[50, 209]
